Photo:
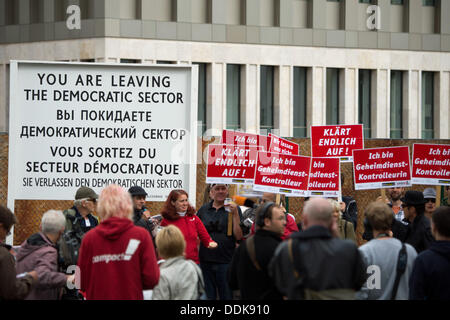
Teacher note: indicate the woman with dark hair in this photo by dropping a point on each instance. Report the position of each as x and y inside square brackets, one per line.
[179, 212]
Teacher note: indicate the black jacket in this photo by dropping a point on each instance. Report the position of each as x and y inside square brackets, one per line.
[398, 228]
[329, 263]
[141, 221]
[419, 233]
[255, 284]
[430, 277]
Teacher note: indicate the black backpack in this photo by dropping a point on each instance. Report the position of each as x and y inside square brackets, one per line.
[70, 242]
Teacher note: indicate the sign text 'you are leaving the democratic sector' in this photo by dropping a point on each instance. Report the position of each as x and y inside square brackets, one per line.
[116, 81]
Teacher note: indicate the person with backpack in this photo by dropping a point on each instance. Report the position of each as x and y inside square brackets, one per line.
[248, 269]
[79, 220]
[313, 264]
[389, 261]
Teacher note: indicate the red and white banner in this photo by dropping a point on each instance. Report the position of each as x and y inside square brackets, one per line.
[231, 164]
[381, 168]
[431, 164]
[336, 141]
[284, 146]
[238, 138]
[324, 177]
[280, 173]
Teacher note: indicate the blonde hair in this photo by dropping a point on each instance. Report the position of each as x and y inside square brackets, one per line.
[170, 242]
[114, 201]
[336, 206]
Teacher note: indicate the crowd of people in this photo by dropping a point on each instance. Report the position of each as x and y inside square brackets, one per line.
[221, 252]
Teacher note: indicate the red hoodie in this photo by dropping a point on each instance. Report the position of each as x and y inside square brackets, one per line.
[192, 228]
[117, 261]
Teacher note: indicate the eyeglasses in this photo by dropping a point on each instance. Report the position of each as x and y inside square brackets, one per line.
[430, 200]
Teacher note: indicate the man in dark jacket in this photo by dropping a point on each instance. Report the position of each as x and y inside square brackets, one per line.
[419, 233]
[430, 278]
[79, 220]
[248, 270]
[11, 287]
[315, 265]
[141, 216]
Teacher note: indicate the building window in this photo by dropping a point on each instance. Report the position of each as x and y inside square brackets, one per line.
[427, 105]
[201, 113]
[233, 96]
[332, 111]
[266, 99]
[428, 3]
[397, 2]
[130, 61]
[300, 102]
[396, 131]
[364, 99]
[367, 1]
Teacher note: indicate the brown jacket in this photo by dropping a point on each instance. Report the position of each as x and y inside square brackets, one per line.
[12, 288]
[346, 230]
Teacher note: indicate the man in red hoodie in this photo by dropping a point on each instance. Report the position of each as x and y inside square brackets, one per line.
[117, 259]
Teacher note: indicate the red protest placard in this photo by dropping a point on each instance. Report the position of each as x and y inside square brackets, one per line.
[284, 146]
[381, 168]
[336, 141]
[280, 173]
[324, 177]
[231, 164]
[245, 139]
[431, 164]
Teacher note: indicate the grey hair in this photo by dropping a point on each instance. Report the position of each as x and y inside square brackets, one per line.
[78, 202]
[53, 221]
[318, 210]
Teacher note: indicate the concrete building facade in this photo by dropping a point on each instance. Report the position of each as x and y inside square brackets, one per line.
[264, 65]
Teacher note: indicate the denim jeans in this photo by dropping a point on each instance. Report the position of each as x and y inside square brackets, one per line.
[215, 276]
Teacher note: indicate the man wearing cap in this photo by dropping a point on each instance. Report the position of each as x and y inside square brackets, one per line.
[141, 216]
[429, 195]
[79, 220]
[223, 225]
[419, 229]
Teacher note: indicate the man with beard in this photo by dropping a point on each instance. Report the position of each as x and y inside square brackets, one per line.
[399, 227]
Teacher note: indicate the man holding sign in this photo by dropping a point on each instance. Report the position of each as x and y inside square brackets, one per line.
[222, 221]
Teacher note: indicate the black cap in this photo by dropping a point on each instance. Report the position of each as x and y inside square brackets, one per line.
[413, 198]
[137, 191]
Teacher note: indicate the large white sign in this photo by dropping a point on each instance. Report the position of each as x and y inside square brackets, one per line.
[76, 124]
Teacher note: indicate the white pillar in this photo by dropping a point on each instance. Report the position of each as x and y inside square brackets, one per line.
[4, 98]
[350, 105]
[317, 97]
[283, 104]
[442, 105]
[380, 110]
[413, 125]
[250, 98]
[215, 99]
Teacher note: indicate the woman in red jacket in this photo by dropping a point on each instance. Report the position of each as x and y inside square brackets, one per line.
[179, 212]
